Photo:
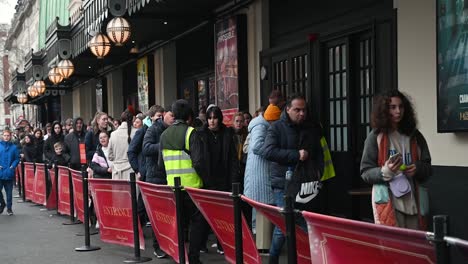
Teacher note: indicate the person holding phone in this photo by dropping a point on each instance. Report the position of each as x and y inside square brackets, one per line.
[396, 160]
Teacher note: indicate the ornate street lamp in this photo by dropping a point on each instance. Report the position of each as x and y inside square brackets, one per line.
[54, 76]
[100, 45]
[32, 91]
[118, 30]
[39, 86]
[65, 68]
[22, 97]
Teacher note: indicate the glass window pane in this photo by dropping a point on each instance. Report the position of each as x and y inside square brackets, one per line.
[344, 83]
[367, 109]
[362, 111]
[338, 139]
[367, 52]
[330, 60]
[345, 138]
[338, 112]
[332, 138]
[343, 57]
[331, 85]
[345, 112]
[367, 81]
[337, 58]
[332, 113]
[337, 85]
[361, 82]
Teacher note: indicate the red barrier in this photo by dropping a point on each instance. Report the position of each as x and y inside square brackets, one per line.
[338, 240]
[77, 181]
[29, 179]
[51, 202]
[218, 210]
[39, 185]
[161, 208]
[113, 205]
[273, 213]
[64, 191]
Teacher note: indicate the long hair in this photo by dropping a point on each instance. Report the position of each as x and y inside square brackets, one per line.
[95, 124]
[127, 116]
[216, 111]
[380, 117]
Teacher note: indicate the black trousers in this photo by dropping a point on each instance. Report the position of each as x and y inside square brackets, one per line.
[197, 226]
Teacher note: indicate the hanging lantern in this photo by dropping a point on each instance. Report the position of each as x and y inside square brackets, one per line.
[54, 76]
[32, 91]
[100, 45]
[118, 30]
[40, 87]
[65, 68]
[22, 98]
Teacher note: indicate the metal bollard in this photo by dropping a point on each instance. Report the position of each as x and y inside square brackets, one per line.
[237, 222]
[180, 226]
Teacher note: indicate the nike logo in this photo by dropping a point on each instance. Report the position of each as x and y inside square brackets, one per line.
[308, 191]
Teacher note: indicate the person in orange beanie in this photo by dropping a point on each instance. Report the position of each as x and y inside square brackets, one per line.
[272, 113]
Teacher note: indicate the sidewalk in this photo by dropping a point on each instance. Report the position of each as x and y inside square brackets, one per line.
[33, 235]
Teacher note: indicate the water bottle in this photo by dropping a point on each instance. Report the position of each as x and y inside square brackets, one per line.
[289, 174]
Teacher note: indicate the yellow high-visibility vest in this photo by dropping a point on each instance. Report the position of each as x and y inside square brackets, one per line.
[328, 169]
[179, 164]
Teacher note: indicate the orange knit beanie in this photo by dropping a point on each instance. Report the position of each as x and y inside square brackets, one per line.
[272, 113]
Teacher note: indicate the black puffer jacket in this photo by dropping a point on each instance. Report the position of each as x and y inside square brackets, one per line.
[49, 151]
[227, 171]
[283, 141]
[98, 170]
[29, 151]
[135, 155]
[151, 151]
[72, 144]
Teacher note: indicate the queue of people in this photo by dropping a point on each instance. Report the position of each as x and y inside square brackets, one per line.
[257, 152]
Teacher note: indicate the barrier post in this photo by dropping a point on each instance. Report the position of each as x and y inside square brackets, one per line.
[23, 188]
[72, 202]
[18, 183]
[440, 231]
[180, 227]
[87, 246]
[136, 238]
[288, 212]
[237, 222]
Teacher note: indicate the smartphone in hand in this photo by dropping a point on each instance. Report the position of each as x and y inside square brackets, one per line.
[393, 158]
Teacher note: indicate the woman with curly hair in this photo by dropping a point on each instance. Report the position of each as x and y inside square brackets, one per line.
[396, 160]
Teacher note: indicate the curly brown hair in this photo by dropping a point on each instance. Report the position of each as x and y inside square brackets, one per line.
[380, 117]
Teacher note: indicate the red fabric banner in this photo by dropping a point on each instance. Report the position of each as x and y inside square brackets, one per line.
[113, 206]
[39, 184]
[51, 202]
[77, 181]
[161, 208]
[337, 240]
[273, 213]
[64, 191]
[29, 179]
[218, 210]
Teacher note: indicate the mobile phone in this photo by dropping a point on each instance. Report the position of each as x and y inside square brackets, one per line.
[394, 157]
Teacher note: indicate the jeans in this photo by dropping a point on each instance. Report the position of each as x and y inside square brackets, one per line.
[8, 185]
[278, 238]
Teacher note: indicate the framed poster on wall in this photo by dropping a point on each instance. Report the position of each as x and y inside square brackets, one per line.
[142, 71]
[452, 66]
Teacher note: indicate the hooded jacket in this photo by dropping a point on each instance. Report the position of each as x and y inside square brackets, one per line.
[49, 151]
[9, 159]
[72, 144]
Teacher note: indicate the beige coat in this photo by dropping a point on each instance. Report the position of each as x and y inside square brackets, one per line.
[118, 147]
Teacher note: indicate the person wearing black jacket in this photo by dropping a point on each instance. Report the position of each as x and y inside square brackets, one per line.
[38, 145]
[29, 151]
[73, 141]
[55, 136]
[101, 166]
[100, 123]
[290, 140]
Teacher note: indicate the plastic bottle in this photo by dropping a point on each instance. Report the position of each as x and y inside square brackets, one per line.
[289, 174]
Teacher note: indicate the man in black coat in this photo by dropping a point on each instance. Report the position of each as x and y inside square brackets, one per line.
[290, 140]
[72, 143]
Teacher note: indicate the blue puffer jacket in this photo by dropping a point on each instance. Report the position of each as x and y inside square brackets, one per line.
[283, 142]
[9, 159]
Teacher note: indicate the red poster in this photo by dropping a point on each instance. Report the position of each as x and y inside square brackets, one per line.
[113, 205]
[77, 181]
[227, 77]
[64, 190]
[51, 202]
[161, 208]
[82, 153]
[218, 210]
[337, 240]
[39, 185]
[29, 179]
[273, 213]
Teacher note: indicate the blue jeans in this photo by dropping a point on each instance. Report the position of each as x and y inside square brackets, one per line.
[278, 238]
[8, 185]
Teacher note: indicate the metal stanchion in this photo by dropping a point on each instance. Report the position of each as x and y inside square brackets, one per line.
[87, 246]
[289, 216]
[180, 226]
[137, 258]
[17, 183]
[56, 187]
[440, 231]
[23, 189]
[237, 222]
[72, 202]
